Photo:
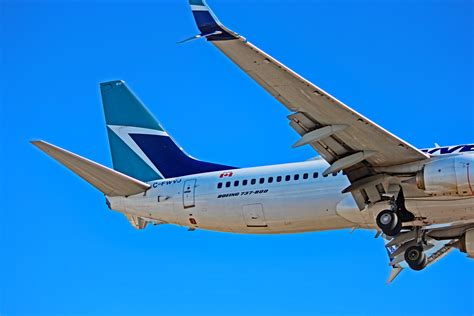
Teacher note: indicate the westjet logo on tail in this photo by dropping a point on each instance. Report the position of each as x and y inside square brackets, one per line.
[449, 150]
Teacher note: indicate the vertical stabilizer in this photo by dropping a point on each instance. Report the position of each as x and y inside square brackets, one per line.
[140, 147]
[125, 113]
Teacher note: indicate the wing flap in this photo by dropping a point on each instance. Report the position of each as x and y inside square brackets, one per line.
[106, 180]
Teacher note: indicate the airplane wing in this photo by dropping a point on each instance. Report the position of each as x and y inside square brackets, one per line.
[344, 138]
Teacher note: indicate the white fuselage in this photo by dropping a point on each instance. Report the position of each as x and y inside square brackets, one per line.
[286, 198]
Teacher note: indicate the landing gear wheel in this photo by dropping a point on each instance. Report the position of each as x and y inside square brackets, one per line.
[389, 222]
[416, 258]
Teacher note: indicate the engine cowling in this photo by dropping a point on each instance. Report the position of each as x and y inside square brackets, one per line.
[467, 243]
[448, 176]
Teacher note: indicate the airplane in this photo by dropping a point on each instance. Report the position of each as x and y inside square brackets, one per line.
[421, 201]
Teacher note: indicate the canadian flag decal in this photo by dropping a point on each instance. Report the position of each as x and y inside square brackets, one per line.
[226, 174]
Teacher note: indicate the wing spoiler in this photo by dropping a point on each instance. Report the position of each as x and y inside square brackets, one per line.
[106, 180]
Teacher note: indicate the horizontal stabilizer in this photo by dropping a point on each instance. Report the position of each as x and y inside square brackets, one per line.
[106, 180]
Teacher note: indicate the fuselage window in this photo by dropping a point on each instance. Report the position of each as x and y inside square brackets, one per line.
[279, 179]
[253, 181]
[296, 177]
[227, 184]
[270, 180]
[262, 180]
[219, 185]
[305, 176]
[236, 183]
[244, 182]
[315, 175]
[288, 178]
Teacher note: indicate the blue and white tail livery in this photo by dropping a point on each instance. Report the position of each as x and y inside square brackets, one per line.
[420, 201]
[140, 147]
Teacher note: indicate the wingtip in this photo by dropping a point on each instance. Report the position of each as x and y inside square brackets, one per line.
[36, 142]
[208, 24]
[394, 273]
[42, 145]
[200, 5]
[197, 2]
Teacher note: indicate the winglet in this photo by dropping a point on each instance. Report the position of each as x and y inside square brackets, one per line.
[208, 24]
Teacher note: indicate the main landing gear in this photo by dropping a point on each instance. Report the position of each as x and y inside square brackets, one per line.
[415, 257]
[389, 222]
[409, 246]
[408, 241]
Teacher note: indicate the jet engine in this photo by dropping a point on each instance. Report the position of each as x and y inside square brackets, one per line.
[448, 176]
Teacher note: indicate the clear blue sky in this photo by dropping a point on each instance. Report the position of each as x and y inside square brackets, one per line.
[407, 65]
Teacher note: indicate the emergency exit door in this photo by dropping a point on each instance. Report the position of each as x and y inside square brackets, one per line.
[188, 193]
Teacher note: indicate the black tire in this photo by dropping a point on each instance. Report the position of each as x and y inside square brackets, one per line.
[415, 258]
[389, 222]
[398, 228]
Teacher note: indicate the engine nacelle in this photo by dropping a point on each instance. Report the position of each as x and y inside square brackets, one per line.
[448, 176]
[467, 243]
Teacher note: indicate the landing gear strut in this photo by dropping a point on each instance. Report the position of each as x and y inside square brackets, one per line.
[389, 222]
[415, 257]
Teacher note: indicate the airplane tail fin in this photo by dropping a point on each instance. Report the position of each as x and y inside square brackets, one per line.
[106, 180]
[139, 145]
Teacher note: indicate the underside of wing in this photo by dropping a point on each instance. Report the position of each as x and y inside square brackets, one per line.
[343, 137]
[331, 127]
[313, 109]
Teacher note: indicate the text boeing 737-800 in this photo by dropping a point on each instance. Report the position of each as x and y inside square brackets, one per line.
[420, 201]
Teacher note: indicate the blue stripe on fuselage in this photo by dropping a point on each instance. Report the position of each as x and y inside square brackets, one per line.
[449, 150]
[169, 159]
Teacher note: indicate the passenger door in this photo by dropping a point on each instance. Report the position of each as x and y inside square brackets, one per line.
[188, 193]
[254, 216]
